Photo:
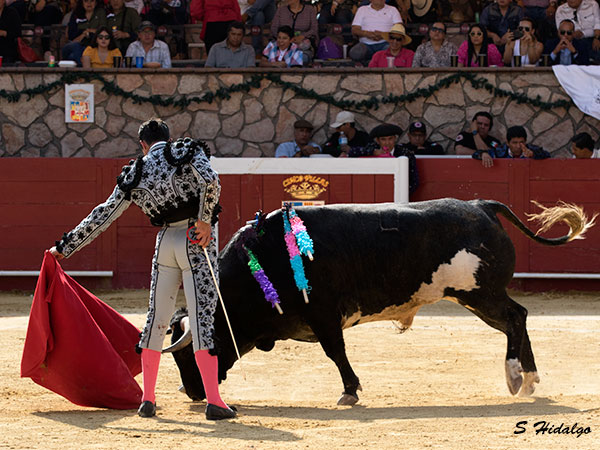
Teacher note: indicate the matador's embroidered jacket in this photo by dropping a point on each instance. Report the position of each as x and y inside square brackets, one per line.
[173, 182]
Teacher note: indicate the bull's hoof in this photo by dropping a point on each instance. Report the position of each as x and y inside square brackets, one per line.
[528, 387]
[514, 380]
[347, 399]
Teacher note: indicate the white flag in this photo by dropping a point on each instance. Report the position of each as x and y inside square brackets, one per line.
[582, 83]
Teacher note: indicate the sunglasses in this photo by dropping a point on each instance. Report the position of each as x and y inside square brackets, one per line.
[104, 37]
[441, 30]
[475, 33]
[396, 38]
[563, 32]
[525, 29]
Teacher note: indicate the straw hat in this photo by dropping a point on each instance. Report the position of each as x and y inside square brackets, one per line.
[421, 7]
[399, 29]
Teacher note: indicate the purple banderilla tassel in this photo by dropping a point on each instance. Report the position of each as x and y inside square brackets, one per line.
[267, 287]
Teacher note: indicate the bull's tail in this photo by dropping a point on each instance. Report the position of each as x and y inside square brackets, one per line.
[572, 215]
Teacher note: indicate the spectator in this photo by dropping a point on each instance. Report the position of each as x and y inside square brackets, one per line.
[67, 17]
[257, 13]
[437, 51]
[542, 13]
[87, 17]
[567, 50]
[516, 147]
[418, 142]
[175, 14]
[385, 137]
[370, 25]
[397, 39]
[337, 11]
[215, 15]
[156, 53]
[123, 23]
[282, 52]
[501, 19]
[582, 147]
[45, 13]
[357, 139]
[138, 5]
[478, 137]
[477, 44]
[302, 19]
[101, 51]
[528, 47]
[10, 30]
[585, 15]
[232, 52]
[301, 146]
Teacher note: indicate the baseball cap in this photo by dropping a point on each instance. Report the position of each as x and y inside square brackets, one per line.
[417, 127]
[146, 24]
[342, 118]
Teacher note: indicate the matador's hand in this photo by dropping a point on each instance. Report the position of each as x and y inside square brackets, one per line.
[203, 230]
[58, 255]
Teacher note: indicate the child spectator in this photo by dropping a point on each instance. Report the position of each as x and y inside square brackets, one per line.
[282, 52]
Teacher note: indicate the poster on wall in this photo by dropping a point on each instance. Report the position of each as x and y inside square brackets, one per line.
[79, 103]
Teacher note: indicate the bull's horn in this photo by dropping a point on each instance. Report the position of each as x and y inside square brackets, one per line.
[184, 340]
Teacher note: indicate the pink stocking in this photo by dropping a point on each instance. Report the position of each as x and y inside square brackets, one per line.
[150, 362]
[209, 369]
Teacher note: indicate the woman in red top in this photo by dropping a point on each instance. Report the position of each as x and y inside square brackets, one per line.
[215, 15]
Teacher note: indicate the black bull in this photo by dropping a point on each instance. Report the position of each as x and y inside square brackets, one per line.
[377, 262]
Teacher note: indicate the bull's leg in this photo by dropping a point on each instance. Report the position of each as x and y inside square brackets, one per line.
[504, 314]
[331, 339]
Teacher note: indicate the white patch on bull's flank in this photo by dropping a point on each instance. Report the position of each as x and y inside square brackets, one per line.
[459, 274]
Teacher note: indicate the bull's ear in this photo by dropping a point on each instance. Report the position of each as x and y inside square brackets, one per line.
[170, 330]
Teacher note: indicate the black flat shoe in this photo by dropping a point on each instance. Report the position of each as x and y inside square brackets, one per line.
[147, 409]
[214, 412]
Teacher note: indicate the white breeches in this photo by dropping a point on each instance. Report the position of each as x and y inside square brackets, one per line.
[176, 259]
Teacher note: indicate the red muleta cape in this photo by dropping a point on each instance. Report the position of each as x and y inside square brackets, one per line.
[78, 346]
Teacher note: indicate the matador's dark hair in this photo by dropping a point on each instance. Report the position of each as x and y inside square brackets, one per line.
[154, 130]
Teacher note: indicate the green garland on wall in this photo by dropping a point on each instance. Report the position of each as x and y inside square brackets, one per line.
[180, 101]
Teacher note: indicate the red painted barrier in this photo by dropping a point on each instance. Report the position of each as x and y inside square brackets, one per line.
[43, 197]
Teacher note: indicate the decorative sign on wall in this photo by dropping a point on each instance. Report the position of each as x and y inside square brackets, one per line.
[79, 103]
[305, 187]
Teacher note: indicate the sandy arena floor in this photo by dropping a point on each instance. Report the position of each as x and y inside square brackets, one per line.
[440, 385]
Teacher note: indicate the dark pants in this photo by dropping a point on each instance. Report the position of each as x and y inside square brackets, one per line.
[342, 16]
[260, 13]
[215, 32]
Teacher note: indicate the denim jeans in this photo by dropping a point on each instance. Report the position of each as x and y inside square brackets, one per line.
[73, 51]
[260, 13]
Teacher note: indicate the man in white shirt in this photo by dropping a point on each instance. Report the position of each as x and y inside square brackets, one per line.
[371, 24]
[585, 14]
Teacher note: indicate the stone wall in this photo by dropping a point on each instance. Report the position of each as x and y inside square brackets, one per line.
[252, 124]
